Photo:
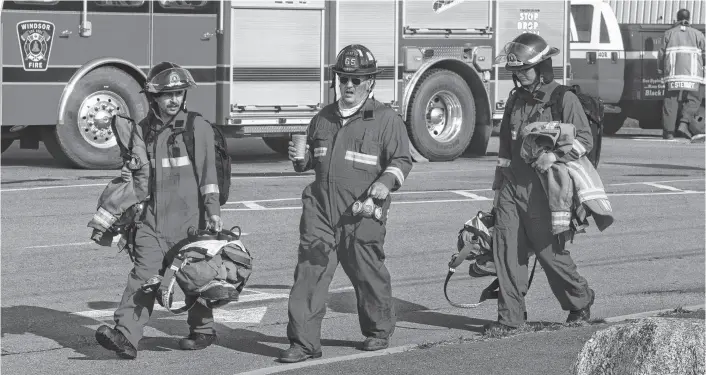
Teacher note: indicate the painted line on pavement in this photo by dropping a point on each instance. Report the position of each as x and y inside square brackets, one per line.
[478, 199]
[656, 182]
[115, 240]
[469, 195]
[404, 348]
[316, 362]
[232, 178]
[253, 206]
[665, 187]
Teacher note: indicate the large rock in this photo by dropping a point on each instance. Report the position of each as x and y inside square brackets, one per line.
[651, 346]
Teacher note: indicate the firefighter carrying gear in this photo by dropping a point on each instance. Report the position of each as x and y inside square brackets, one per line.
[523, 218]
[372, 146]
[183, 195]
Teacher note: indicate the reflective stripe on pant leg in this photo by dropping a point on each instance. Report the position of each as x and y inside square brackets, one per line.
[362, 257]
[135, 308]
[510, 257]
[317, 262]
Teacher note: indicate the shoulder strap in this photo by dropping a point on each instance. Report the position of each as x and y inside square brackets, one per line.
[189, 139]
[556, 101]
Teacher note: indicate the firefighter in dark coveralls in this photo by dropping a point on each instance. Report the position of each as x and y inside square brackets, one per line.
[358, 148]
[681, 61]
[523, 218]
[182, 196]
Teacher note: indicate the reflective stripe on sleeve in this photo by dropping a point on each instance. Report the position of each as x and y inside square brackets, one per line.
[578, 147]
[361, 158]
[104, 217]
[210, 188]
[320, 151]
[396, 172]
[175, 162]
[503, 163]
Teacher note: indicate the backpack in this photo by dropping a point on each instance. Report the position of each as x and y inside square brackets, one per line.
[593, 107]
[222, 158]
[595, 112]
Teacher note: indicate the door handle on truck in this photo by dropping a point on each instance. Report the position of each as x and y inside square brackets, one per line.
[614, 57]
[591, 57]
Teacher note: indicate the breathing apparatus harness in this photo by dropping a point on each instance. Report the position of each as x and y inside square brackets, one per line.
[475, 243]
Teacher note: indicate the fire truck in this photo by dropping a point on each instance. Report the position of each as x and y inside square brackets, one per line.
[262, 67]
[614, 55]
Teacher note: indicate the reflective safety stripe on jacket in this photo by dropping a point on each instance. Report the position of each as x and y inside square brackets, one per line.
[682, 57]
[371, 146]
[179, 188]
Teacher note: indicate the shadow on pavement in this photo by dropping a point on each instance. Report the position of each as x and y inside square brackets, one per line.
[411, 313]
[66, 329]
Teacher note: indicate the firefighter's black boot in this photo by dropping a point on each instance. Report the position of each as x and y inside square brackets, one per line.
[197, 341]
[114, 340]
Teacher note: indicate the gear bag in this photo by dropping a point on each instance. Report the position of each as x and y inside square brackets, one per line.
[475, 244]
[210, 268]
[222, 158]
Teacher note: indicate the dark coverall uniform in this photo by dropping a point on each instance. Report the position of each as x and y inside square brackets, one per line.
[180, 193]
[523, 218]
[682, 61]
[348, 159]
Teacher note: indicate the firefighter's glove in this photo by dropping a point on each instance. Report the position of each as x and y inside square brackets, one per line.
[215, 224]
[292, 151]
[544, 162]
[126, 173]
[378, 190]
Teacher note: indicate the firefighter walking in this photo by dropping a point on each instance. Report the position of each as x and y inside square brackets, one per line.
[523, 217]
[183, 195]
[358, 148]
[682, 64]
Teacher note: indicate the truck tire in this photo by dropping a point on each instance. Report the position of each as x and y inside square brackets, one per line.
[279, 145]
[441, 116]
[612, 122]
[85, 139]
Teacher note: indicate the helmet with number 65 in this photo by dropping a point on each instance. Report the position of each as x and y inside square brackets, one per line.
[356, 60]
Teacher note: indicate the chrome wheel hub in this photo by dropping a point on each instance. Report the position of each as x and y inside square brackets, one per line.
[444, 116]
[95, 114]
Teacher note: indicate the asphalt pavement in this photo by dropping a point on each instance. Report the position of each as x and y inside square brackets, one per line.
[57, 286]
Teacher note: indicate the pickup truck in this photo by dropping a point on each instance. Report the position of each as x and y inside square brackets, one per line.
[618, 63]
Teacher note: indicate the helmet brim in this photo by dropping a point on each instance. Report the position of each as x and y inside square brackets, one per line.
[553, 51]
[358, 73]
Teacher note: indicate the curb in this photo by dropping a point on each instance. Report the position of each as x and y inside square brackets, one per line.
[403, 348]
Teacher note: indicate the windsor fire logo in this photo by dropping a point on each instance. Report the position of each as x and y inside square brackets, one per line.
[35, 39]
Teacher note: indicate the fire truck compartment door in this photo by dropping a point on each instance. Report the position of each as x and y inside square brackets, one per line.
[447, 14]
[597, 53]
[277, 53]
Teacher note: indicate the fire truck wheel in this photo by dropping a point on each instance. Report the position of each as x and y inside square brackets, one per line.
[278, 145]
[442, 115]
[612, 122]
[85, 140]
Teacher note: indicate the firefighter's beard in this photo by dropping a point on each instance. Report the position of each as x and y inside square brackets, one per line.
[169, 104]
